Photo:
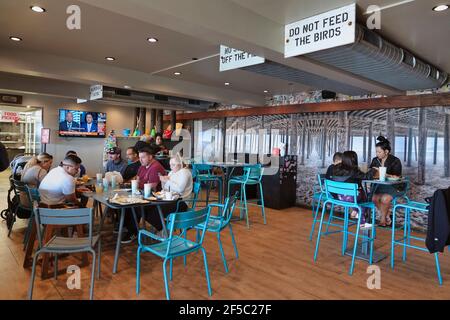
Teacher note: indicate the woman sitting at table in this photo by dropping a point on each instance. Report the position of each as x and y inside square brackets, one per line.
[348, 171]
[34, 172]
[159, 144]
[383, 194]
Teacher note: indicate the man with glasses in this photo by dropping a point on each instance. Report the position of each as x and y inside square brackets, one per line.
[58, 187]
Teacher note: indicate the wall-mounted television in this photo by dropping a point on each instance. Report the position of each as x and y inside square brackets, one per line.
[77, 123]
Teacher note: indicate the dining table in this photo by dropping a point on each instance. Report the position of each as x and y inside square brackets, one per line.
[107, 199]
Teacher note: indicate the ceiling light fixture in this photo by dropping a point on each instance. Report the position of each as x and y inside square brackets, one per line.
[227, 83]
[152, 40]
[440, 8]
[17, 39]
[177, 73]
[37, 9]
[28, 107]
[110, 58]
[127, 87]
[266, 91]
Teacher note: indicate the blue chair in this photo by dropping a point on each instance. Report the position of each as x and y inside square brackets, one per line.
[203, 173]
[175, 245]
[193, 201]
[59, 245]
[218, 223]
[405, 241]
[33, 196]
[319, 197]
[252, 176]
[347, 189]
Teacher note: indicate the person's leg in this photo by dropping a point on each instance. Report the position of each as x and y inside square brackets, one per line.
[152, 214]
[376, 199]
[385, 204]
[129, 222]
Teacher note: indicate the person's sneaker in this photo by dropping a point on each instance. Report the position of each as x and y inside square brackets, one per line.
[128, 238]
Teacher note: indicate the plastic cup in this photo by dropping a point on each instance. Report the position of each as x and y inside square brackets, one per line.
[113, 182]
[382, 171]
[99, 188]
[147, 190]
[134, 186]
[99, 177]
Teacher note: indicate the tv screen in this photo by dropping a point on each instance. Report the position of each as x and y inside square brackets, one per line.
[76, 123]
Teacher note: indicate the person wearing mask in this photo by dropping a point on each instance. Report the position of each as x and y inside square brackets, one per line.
[82, 171]
[34, 172]
[133, 166]
[383, 194]
[149, 172]
[348, 171]
[337, 158]
[4, 160]
[160, 145]
[58, 187]
[115, 162]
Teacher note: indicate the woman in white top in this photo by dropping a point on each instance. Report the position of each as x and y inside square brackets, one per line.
[34, 172]
[180, 181]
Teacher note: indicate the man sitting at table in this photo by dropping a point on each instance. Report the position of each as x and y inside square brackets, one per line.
[115, 162]
[149, 172]
[133, 166]
[58, 187]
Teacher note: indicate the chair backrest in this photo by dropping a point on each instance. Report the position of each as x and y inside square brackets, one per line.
[195, 191]
[338, 188]
[201, 168]
[228, 209]
[33, 195]
[320, 182]
[253, 172]
[63, 217]
[186, 220]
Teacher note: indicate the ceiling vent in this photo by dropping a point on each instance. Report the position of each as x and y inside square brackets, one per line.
[374, 58]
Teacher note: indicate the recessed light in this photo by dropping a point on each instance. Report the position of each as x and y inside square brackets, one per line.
[110, 58]
[441, 7]
[28, 107]
[152, 40]
[266, 91]
[127, 87]
[177, 73]
[227, 83]
[37, 9]
[17, 39]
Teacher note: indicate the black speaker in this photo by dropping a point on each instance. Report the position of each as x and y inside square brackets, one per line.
[328, 94]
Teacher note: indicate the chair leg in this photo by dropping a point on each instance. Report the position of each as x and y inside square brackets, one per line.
[315, 214]
[55, 267]
[91, 291]
[33, 275]
[262, 203]
[28, 231]
[245, 205]
[138, 270]
[222, 253]
[166, 284]
[170, 269]
[355, 246]
[207, 192]
[345, 231]
[330, 218]
[372, 236]
[438, 268]
[208, 281]
[99, 257]
[319, 233]
[185, 237]
[393, 238]
[234, 241]
[14, 214]
[405, 233]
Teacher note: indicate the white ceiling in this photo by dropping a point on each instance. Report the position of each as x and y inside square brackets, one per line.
[192, 29]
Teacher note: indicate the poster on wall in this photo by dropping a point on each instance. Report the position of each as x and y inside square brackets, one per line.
[327, 30]
[45, 135]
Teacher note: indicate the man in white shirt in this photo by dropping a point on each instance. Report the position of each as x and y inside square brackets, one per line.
[58, 186]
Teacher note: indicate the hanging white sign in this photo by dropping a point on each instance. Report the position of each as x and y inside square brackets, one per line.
[96, 92]
[233, 59]
[327, 30]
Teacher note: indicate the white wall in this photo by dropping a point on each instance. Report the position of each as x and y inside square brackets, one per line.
[90, 150]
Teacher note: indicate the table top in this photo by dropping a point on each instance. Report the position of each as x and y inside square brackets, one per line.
[105, 196]
[387, 182]
[227, 164]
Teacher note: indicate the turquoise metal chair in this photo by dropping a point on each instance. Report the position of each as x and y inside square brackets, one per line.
[405, 240]
[203, 173]
[252, 176]
[217, 224]
[193, 201]
[334, 189]
[175, 245]
[319, 197]
[59, 245]
[33, 196]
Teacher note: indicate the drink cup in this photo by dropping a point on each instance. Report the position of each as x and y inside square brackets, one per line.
[147, 190]
[134, 186]
[99, 188]
[382, 171]
[113, 182]
[168, 195]
[99, 177]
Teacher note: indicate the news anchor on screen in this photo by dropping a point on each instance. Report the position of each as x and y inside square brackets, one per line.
[89, 125]
[69, 124]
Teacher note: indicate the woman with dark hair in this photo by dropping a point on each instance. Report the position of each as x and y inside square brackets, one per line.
[348, 171]
[159, 144]
[383, 194]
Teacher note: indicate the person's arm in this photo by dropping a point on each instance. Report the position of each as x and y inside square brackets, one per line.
[69, 191]
[178, 184]
[396, 168]
[4, 161]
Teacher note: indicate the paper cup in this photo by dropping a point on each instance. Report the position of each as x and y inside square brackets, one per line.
[134, 186]
[147, 190]
[168, 195]
[382, 171]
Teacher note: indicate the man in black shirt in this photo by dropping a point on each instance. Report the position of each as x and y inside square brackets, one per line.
[133, 164]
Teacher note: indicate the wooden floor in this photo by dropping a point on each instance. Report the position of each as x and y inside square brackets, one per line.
[275, 262]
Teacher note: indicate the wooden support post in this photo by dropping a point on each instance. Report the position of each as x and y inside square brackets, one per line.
[159, 121]
[435, 148]
[410, 146]
[336, 140]
[153, 119]
[447, 146]
[173, 120]
[369, 143]
[308, 148]
[422, 146]
[390, 128]
[405, 149]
